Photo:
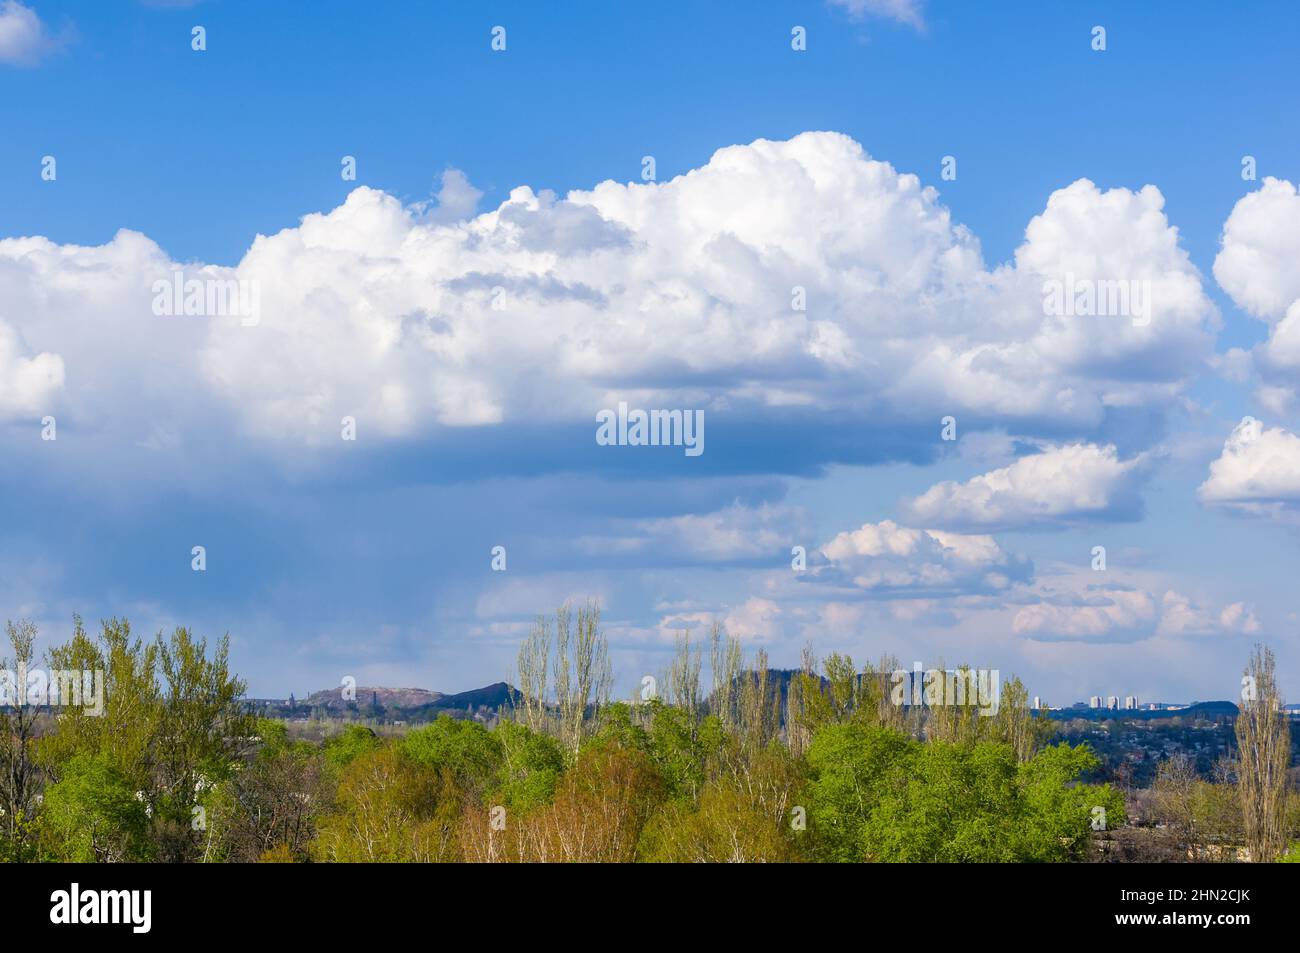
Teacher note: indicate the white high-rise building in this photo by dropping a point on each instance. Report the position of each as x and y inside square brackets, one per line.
[1094, 701]
[1038, 702]
[1112, 701]
[1130, 702]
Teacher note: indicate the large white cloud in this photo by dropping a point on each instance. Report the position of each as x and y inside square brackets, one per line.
[1062, 483]
[1257, 266]
[83, 316]
[674, 294]
[1258, 471]
[1260, 248]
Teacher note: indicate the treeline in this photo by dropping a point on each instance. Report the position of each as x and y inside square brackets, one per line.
[831, 769]
[135, 781]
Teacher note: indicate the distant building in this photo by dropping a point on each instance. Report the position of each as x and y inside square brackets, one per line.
[1112, 701]
[1130, 702]
[1038, 702]
[1094, 701]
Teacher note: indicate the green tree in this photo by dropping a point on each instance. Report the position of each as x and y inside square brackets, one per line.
[343, 748]
[92, 814]
[273, 804]
[740, 817]
[850, 764]
[1059, 813]
[391, 809]
[202, 730]
[877, 795]
[530, 767]
[683, 748]
[465, 748]
[125, 731]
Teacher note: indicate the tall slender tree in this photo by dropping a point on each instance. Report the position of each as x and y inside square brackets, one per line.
[533, 667]
[1264, 750]
[18, 776]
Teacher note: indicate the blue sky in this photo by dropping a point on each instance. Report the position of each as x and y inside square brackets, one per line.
[370, 558]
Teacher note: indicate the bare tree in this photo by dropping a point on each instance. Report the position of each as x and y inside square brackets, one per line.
[684, 677]
[951, 705]
[877, 703]
[760, 705]
[17, 733]
[725, 660]
[1174, 799]
[579, 668]
[802, 704]
[533, 665]
[1264, 752]
[582, 670]
[1014, 721]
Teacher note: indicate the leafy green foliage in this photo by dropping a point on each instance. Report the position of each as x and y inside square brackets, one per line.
[350, 743]
[176, 770]
[391, 809]
[877, 795]
[530, 767]
[92, 814]
[466, 749]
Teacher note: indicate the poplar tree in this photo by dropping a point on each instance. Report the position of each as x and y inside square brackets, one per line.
[1264, 750]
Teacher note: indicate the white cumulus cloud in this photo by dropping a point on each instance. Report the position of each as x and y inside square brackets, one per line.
[1257, 266]
[1118, 613]
[1062, 483]
[676, 293]
[1260, 248]
[1258, 471]
[886, 558]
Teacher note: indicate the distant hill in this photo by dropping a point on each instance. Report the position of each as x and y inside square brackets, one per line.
[1210, 711]
[491, 696]
[412, 700]
[401, 698]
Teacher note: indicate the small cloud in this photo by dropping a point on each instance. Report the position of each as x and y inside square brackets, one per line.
[904, 11]
[457, 200]
[1098, 614]
[755, 620]
[886, 559]
[1125, 614]
[28, 382]
[1236, 365]
[24, 39]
